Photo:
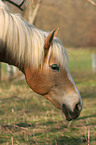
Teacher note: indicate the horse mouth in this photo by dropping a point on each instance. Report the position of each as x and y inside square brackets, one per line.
[69, 115]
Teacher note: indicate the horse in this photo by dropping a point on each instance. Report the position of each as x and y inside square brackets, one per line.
[42, 58]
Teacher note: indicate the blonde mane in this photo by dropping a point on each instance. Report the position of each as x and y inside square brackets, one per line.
[25, 42]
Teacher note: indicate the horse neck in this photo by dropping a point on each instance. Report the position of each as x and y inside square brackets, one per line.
[6, 57]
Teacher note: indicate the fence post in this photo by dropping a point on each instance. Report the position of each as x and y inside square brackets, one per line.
[0, 71]
[14, 69]
[10, 72]
[93, 62]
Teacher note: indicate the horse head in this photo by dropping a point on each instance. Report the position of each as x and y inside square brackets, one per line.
[54, 81]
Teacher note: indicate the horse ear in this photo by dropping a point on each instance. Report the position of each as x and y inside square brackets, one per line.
[49, 40]
[56, 32]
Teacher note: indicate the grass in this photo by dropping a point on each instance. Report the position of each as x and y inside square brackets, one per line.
[80, 60]
[27, 118]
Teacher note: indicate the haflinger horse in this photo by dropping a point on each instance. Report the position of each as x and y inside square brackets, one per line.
[42, 58]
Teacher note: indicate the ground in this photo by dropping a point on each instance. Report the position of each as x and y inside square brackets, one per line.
[27, 118]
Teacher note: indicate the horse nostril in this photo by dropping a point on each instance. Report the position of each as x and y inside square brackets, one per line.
[77, 108]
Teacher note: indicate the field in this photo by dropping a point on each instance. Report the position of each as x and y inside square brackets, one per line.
[29, 119]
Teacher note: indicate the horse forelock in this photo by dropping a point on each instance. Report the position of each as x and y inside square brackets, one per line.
[60, 53]
[25, 42]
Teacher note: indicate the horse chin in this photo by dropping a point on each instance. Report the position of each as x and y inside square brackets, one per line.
[69, 115]
[67, 112]
[66, 115]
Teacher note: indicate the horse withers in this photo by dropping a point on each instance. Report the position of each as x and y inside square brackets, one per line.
[42, 58]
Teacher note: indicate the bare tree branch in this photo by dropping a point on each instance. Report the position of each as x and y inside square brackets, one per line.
[92, 2]
[19, 6]
[35, 12]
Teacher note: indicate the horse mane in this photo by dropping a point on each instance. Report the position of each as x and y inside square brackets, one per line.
[25, 42]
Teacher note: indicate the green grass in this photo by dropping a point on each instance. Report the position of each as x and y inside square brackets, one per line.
[80, 60]
[27, 118]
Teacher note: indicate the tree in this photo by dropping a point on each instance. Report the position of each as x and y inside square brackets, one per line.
[92, 2]
[29, 7]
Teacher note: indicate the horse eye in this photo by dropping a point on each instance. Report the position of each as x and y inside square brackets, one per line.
[55, 67]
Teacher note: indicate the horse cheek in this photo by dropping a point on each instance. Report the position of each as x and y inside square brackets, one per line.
[38, 82]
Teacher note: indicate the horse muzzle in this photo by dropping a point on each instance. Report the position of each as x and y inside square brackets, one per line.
[71, 114]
